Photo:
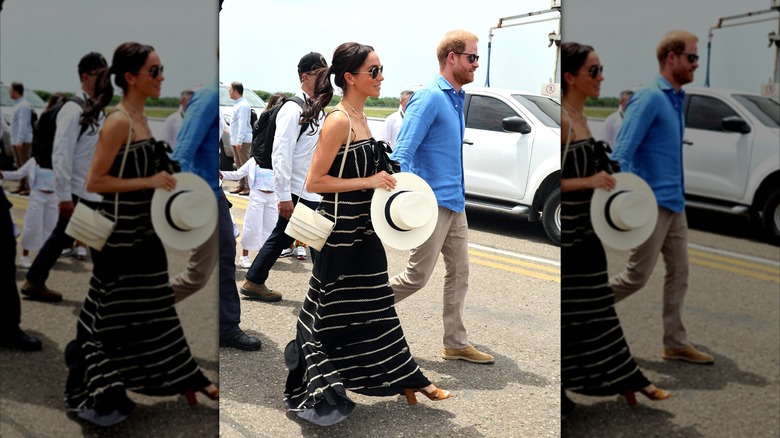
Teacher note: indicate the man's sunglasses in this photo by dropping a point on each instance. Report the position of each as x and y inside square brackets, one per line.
[692, 57]
[155, 71]
[473, 57]
[595, 71]
[374, 72]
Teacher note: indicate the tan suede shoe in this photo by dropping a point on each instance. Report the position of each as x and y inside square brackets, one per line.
[40, 292]
[469, 354]
[259, 292]
[688, 354]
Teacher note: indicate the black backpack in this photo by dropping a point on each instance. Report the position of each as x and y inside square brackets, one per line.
[252, 117]
[34, 122]
[264, 130]
[46, 126]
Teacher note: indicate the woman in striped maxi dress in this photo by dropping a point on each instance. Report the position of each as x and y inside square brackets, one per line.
[595, 358]
[128, 336]
[349, 336]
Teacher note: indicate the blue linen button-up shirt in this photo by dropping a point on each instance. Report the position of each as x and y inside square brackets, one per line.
[430, 142]
[649, 143]
[197, 144]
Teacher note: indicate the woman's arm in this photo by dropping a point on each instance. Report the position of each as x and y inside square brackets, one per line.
[333, 135]
[602, 180]
[112, 136]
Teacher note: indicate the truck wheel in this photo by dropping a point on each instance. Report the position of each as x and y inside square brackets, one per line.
[225, 162]
[770, 218]
[551, 216]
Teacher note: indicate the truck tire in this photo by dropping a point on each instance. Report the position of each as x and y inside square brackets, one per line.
[551, 216]
[225, 162]
[770, 217]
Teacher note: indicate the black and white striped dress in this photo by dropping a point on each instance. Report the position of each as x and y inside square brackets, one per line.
[595, 358]
[348, 333]
[128, 335]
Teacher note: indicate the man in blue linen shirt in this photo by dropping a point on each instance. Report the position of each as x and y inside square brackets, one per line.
[650, 145]
[197, 151]
[430, 144]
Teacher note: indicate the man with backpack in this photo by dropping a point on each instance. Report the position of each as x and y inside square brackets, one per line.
[73, 145]
[291, 156]
[240, 132]
[21, 131]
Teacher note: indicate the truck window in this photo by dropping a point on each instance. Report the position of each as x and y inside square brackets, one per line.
[487, 113]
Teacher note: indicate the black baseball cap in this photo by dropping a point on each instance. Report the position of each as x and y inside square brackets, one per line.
[310, 62]
[91, 61]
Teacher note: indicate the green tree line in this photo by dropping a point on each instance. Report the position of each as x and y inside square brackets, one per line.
[379, 102]
[160, 102]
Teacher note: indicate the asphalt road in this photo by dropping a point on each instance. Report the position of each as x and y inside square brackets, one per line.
[512, 312]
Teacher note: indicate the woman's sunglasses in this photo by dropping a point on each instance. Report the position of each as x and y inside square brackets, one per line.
[374, 72]
[155, 71]
[472, 57]
[595, 71]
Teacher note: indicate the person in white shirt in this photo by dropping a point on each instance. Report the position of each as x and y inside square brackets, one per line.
[393, 122]
[72, 153]
[21, 132]
[41, 215]
[240, 132]
[291, 157]
[261, 212]
[173, 121]
[612, 123]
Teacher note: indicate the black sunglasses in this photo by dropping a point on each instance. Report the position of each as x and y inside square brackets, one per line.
[692, 57]
[595, 71]
[374, 71]
[155, 71]
[473, 57]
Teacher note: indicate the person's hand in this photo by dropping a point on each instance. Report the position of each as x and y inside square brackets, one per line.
[602, 180]
[381, 180]
[66, 208]
[220, 175]
[286, 209]
[162, 180]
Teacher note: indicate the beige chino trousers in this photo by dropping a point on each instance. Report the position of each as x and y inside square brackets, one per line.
[450, 238]
[669, 238]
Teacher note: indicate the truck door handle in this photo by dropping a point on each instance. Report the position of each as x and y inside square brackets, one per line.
[687, 142]
[467, 141]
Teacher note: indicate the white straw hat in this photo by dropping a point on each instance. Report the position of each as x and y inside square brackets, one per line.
[405, 217]
[624, 217]
[186, 216]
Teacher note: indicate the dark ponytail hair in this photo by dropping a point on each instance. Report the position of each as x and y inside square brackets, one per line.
[573, 56]
[128, 57]
[348, 57]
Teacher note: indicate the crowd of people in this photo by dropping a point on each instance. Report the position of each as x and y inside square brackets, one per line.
[348, 335]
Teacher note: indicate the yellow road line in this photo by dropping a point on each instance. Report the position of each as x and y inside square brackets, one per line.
[515, 270]
[732, 261]
[551, 269]
[728, 268]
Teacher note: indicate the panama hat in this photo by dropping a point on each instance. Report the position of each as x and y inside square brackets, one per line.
[186, 216]
[624, 217]
[404, 218]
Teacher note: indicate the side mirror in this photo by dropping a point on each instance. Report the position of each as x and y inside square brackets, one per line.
[516, 124]
[735, 124]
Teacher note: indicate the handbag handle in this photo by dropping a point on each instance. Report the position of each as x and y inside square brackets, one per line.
[341, 169]
[124, 159]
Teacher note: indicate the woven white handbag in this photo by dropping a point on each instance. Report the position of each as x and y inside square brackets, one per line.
[307, 225]
[89, 226]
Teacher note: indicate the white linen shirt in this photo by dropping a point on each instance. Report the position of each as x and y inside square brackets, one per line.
[391, 127]
[291, 158]
[172, 126]
[240, 129]
[72, 156]
[21, 129]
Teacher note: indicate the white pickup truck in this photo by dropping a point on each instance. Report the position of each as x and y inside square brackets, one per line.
[512, 154]
[731, 155]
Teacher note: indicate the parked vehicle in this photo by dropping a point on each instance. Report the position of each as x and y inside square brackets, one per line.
[731, 155]
[6, 106]
[512, 154]
[226, 111]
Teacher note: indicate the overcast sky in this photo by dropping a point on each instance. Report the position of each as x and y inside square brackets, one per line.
[41, 41]
[626, 33]
[262, 41]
